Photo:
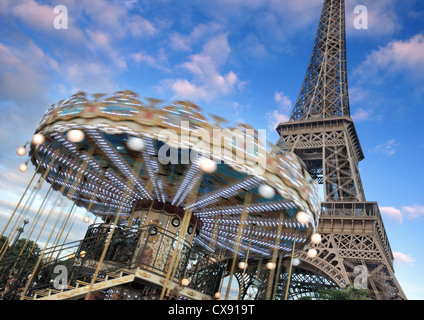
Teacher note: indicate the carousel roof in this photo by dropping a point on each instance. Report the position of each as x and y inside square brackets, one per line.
[111, 153]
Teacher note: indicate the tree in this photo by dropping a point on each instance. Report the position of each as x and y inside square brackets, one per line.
[14, 258]
[29, 255]
[349, 292]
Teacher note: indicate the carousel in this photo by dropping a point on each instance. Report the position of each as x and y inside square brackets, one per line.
[179, 202]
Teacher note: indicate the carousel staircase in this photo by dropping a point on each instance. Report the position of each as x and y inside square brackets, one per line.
[117, 278]
[82, 288]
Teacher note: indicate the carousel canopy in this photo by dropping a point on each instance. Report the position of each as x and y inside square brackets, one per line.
[112, 153]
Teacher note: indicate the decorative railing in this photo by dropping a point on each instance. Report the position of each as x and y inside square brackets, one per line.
[149, 247]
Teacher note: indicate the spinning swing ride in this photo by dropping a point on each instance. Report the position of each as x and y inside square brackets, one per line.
[180, 201]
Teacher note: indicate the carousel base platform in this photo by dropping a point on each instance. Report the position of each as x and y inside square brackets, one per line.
[116, 279]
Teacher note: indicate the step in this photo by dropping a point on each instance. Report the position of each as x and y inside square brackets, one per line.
[98, 279]
[126, 272]
[54, 291]
[113, 275]
[41, 293]
[79, 282]
[68, 288]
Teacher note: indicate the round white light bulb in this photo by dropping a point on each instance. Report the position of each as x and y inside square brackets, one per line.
[242, 265]
[185, 282]
[75, 135]
[21, 151]
[135, 144]
[37, 139]
[23, 167]
[316, 238]
[270, 265]
[312, 253]
[295, 262]
[217, 295]
[86, 219]
[302, 217]
[266, 191]
[207, 165]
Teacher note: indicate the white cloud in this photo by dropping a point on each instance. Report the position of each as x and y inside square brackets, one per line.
[283, 102]
[382, 18]
[273, 24]
[183, 88]
[282, 114]
[361, 115]
[24, 71]
[158, 61]
[414, 211]
[401, 258]
[274, 118]
[37, 217]
[89, 77]
[400, 57]
[185, 42]
[207, 82]
[387, 148]
[89, 57]
[252, 46]
[98, 39]
[38, 16]
[357, 94]
[141, 27]
[393, 213]
[25, 76]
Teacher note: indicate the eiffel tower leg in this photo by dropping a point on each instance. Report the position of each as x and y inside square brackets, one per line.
[355, 249]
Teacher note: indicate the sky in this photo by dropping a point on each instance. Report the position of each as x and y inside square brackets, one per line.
[242, 60]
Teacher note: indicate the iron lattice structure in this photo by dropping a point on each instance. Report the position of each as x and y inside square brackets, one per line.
[322, 133]
[324, 93]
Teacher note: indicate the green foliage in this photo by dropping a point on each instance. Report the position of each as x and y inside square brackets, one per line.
[349, 292]
[23, 255]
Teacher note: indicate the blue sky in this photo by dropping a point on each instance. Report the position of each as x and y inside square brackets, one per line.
[242, 60]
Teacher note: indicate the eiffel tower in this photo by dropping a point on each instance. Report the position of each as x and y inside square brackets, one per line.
[355, 248]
